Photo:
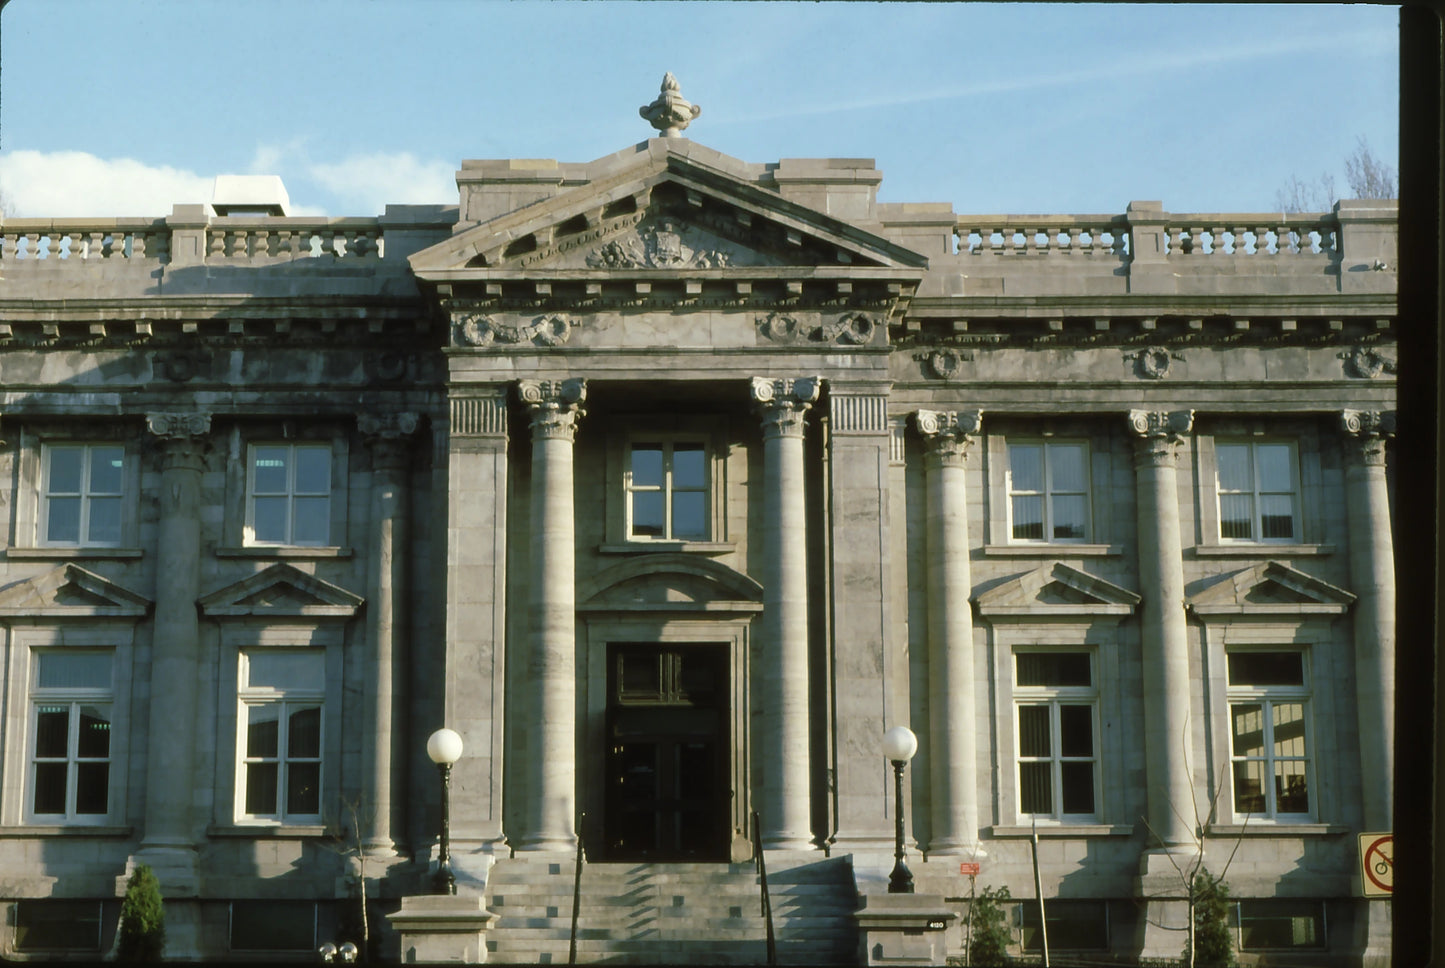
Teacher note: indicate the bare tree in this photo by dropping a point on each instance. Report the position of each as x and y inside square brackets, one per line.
[1365, 175]
[343, 838]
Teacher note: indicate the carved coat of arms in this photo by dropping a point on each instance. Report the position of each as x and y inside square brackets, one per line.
[663, 244]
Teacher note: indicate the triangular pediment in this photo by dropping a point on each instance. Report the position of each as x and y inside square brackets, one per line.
[1056, 591]
[278, 592]
[663, 212]
[669, 583]
[70, 591]
[1270, 588]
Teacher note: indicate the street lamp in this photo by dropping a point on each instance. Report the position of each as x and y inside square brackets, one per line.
[445, 748]
[899, 745]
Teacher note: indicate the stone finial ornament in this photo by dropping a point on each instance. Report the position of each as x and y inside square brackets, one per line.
[671, 112]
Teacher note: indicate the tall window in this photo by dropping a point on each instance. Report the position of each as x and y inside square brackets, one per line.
[1058, 751]
[1268, 719]
[1258, 491]
[70, 725]
[82, 487]
[1049, 490]
[667, 490]
[288, 494]
[281, 699]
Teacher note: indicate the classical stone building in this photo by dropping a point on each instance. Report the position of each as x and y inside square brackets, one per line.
[671, 482]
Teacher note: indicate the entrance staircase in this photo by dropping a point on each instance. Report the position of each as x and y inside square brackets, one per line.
[672, 913]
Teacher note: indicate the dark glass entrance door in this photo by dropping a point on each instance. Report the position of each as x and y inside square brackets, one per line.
[668, 796]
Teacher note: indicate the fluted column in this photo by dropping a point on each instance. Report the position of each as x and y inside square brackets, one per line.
[384, 747]
[168, 840]
[1372, 574]
[952, 722]
[1166, 656]
[781, 751]
[551, 673]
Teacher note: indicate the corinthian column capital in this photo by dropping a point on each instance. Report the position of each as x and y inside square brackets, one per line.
[555, 406]
[783, 403]
[948, 434]
[1369, 430]
[1157, 434]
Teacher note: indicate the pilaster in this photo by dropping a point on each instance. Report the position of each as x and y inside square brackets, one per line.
[952, 703]
[781, 753]
[551, 745]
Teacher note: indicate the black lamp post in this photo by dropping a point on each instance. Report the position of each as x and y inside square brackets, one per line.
[899, 745]
[445, 748]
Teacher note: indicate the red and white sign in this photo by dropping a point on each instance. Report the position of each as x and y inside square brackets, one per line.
[1377, 864]
[966, 868]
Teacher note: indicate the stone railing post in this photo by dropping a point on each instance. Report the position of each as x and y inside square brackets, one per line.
[1149, 248]
[551, 759]
[781, 674]
[188, 224]
[1369, 244]
[952, 720]
[1372, 574]
[1165, 654]
[384, 747]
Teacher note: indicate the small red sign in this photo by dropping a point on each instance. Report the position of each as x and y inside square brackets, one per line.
[970, 869]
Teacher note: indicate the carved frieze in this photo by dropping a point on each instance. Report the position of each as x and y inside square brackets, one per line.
[479, 329]
[555, 405]
[665, 243]
[1366, 363]
[782, 403]
[848, 328]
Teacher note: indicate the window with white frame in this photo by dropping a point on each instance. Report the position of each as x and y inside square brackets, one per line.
[82, 494]
[1048, 487]
[288, 494]
[1269, 726]
[279, 742]
[1259, 498]
[1056, 712]
[72, 692]
[666, 480]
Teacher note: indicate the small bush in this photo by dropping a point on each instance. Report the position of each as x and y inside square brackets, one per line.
[988, 925]
[142, 935]
[1213, 942]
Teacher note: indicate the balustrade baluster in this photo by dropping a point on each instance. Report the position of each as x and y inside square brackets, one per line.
[216, 247]
[32, 245]
[262, 243]
[328, 242]
[138, 244]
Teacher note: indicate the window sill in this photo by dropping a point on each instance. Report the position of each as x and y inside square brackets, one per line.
[264, 830]
[71, 552]
[657, 547]
[1270, 828]
[1262, 550]
[1058, 550]
[999, 831]
[67, 830]
[283, 551]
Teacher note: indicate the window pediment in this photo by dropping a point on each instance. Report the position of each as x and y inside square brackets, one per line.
[670, 583]
[279, 592]
[1270, 589]
[70, 591]
[1056, 591]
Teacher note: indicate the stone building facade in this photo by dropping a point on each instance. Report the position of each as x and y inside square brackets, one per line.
[671, 482]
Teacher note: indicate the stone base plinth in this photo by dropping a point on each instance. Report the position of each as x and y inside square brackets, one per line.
[442, 929]
[903, 929]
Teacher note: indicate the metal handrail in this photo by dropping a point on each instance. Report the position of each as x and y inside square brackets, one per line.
[767, 911]
[576, 891]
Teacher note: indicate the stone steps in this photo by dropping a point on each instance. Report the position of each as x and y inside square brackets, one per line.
[670, 913]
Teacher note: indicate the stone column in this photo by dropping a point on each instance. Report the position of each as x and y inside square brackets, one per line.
[781, 750]
[1165, 655]
[952, 716]
[862, 605]
[168, 834]
[384, 746]
[551, 673]
[1372, 575]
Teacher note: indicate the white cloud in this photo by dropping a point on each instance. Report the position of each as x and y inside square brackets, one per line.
[364, 184]
[75, 184]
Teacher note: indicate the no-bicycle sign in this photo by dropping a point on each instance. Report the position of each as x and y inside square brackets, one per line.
[1377, 864]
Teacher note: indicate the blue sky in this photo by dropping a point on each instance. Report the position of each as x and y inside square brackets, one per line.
[125, 108]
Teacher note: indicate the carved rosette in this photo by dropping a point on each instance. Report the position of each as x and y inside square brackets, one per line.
[854, 328]
[783, 403]
[780, 327]
[945, 363]
[1369, 430]
[948, 434]
[1366, 363]
[388, 435]
[1152, 362]
[183, 436]
[555, 405]
[1158, 434]
[479, 329]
